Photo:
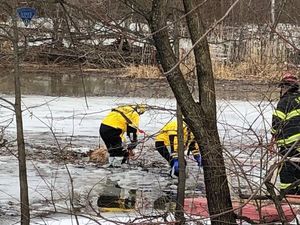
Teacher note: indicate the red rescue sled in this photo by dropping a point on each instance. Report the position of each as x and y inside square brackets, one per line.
[198, 206]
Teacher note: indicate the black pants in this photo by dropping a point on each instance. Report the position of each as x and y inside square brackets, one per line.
[163, 151]
[289, 173]
[112, 139]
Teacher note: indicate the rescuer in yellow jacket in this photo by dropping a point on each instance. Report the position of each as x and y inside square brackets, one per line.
[121, 120]
[166, 143]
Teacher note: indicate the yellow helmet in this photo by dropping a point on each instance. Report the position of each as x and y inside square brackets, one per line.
[141, 108]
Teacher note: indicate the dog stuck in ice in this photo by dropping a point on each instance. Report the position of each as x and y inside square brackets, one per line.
[99, 155]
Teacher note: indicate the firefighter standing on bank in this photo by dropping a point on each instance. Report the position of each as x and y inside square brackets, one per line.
[286, 133]
[121, 120]
[166, 143]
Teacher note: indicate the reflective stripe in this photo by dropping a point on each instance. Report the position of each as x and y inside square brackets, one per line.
[279, 114]
[195, 152]
[174, 154]
[294, 159]
[284, 185]
[287, 116]
[289, 140]
[273, 131]
[293, 114]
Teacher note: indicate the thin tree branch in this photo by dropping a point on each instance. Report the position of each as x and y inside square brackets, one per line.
[202, 37]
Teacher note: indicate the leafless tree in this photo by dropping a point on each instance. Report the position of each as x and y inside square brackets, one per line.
[85, 25]
[201, 117]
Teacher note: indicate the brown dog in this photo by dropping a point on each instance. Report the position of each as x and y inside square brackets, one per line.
[98, 155]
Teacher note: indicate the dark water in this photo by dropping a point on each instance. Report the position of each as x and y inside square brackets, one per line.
[93, 85]
[76, 85]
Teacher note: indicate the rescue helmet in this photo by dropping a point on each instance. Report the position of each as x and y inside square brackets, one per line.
[141, 108]
[289, 80]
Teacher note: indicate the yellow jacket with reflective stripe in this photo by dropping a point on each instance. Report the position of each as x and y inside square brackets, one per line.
[117, 120]
[195, 150]
[168, 130]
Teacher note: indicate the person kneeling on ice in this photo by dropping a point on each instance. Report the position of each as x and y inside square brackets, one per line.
[166, 144]
[122, 119]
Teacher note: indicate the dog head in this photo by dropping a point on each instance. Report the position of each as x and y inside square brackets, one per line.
[99, 155]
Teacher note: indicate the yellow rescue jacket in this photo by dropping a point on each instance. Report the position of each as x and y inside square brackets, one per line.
[171, 129]
[122, 116]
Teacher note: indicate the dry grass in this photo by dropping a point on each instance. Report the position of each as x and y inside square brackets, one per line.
[153, 72]
[143, 71]
[248, 71]
[237, 71]
[257, 63]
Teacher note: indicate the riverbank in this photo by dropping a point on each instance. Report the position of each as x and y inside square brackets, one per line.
[67, 81]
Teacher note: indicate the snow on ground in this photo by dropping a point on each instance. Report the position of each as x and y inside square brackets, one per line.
[70, 119]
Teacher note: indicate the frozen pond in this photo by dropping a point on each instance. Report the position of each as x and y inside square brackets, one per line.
[71, 116]
[73, 123]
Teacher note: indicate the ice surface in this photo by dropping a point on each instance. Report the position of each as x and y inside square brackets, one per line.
[238, 122]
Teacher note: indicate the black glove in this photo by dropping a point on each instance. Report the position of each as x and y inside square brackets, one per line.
[132, 146]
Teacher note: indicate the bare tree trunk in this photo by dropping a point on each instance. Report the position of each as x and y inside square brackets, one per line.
[25, 214]
[200, 117]
[179, 213]
[216, 183]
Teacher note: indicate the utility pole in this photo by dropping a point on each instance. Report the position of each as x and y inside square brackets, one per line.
[24, 200]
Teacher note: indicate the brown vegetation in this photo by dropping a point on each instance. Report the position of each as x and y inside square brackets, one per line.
[233, 71]
[99, 155]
